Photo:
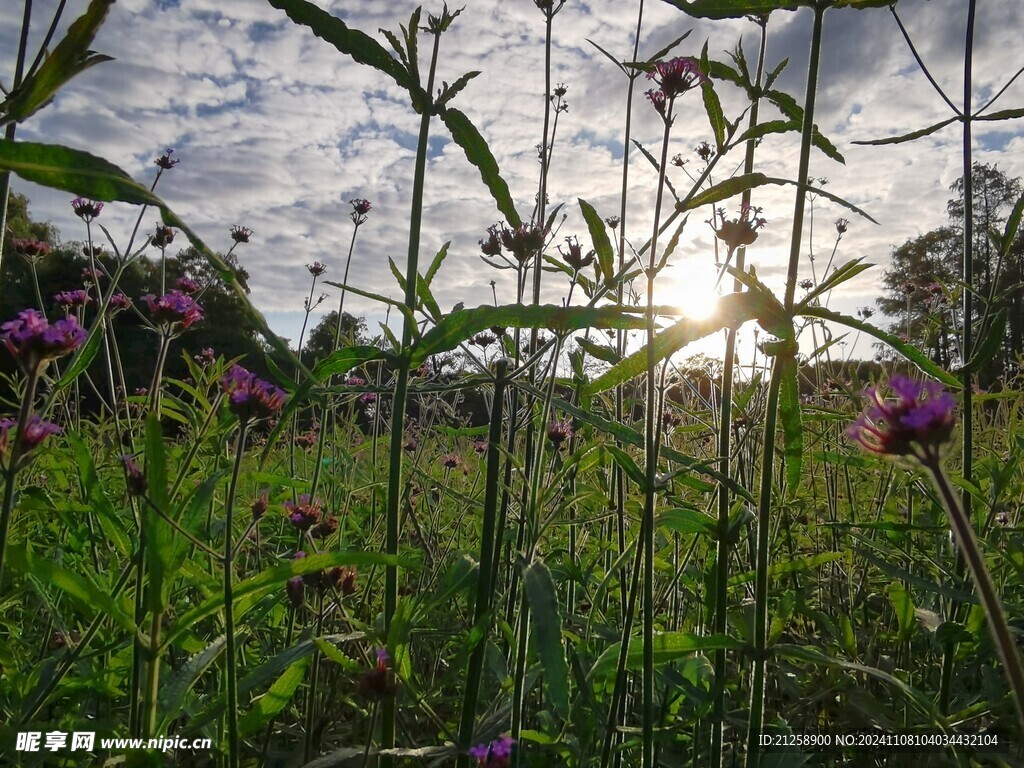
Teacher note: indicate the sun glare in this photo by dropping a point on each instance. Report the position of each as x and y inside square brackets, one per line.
[694, 288]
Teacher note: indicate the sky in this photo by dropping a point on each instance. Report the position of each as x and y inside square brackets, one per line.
[277, 131]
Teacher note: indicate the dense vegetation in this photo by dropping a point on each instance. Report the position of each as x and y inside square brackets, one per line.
[523, 534]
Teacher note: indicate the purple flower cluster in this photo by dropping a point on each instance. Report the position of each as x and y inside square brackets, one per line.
[559, 432]
[738, 232]
[379, 682]
[36, 431]
[360, 208]
[497, 754]
[250, 397]
[304, 513]
[673, 78]
[86, 210]
[33, 341]
[173, 308]
[917, 424]
[72, 299]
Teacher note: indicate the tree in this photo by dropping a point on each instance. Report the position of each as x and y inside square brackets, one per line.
[923, 283]
[321, 341]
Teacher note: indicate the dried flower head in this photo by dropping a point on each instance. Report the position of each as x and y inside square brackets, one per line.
[316, 268]
[705, 151]
[240, 234]
[841, 226]
[324, 528]
[360, 208]
[260, 504]
[559, 432]
[916, 425]
[525, 241]
[164, 162]
[162, 237]
[451, 461]
[613, 222]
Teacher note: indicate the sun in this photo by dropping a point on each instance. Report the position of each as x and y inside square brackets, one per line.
[695, 292]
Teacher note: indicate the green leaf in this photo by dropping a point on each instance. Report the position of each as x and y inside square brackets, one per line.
[173, 691]
[764, 129]
[603, 353]
[71, 57]
[360, 46]
[77, 588]
[904, 608]
[910, 352]
[345, 359]
[688, 520]
[734, 9]
[465, 134]
[786, 567]
[788, 106]
[274, 700]
[599, 236]
[435, 264]
[657, 166]
[1004, 114]
[912, 135]
[732, 310]
[668, 646]
[73, 171]
[737, 184]
[449, 92]
[713, 107]
[628, 464]
[848, 271]
[547, 634]
[459, 326]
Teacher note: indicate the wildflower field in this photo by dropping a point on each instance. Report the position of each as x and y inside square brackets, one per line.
[521, 532]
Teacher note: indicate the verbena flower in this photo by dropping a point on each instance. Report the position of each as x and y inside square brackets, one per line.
[36, 431]
[316, 268]
[673, 78]
[250, 397]
[379, 682]
[491, 245]
[86, 210]
[559, 432]
[72, 299]
[118, 302]
[187, 285]
[525, 241]
[260, 505]
[738, 232]
[164, 162]
[574, 256]
[325, 528]
[916, 423]
[451, 461]
[295, 588]
[30, 248]
[304, 513]
[173, 308]
[360, 208]
[33, 341]
[240, 234]
[135, 480]
[162, 237]
[497, 754]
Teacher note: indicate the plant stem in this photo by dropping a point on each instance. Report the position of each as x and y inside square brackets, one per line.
[11, 471]
[967, 543]
[229, 617]
[402, 389]
[757, 685]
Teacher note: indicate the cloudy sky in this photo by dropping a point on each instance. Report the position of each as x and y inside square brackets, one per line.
[276, 130]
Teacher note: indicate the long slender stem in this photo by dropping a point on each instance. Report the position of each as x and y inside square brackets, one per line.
[11, 471]
[229, 617]
[724, 451]
[12, 127]
[757, 685]
[402, 389]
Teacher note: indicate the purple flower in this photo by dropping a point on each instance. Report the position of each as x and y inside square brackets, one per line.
[559, 432]
[135, 480]
[206, 357]
[71, 299]
[451, 461]
[36, 431]
[260, 505]
[249, 397]
[162, 237]
[316, 268]
[355, 381]
[304, 513]
[33, 341]
[575, 257]
[379, 682]
[296, 591]
[30, 248]
[240, 234]
[492, 245]
[676, 76]
[497, 754]
[738, 232]
[525, 241]
[187, 285]
[917, 424]
[118, 302]
[173, 308]
[86, 210]
[360, 208]
[164, 162]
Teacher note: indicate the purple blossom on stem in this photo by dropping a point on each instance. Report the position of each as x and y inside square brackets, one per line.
[250, 397]
[559, 432]
[497, 754]
[86, 210]
[187, 285]
[30, 248]
[240, 234]
[316, 268]
[173, 308]
[304, 513]
[33, 341]
[917, 424]
[360, 208]
[36, 431]
[164, 162]
[72, 299]
[673, 78]
[118, 302]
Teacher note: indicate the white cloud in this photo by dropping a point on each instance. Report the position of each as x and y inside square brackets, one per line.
[277, 131]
